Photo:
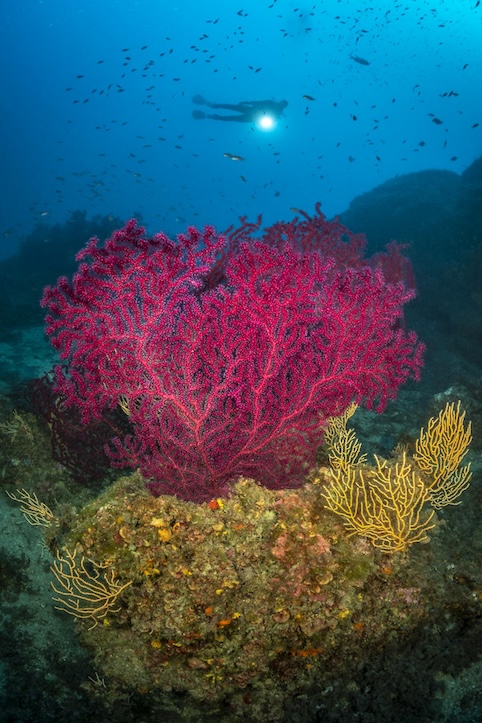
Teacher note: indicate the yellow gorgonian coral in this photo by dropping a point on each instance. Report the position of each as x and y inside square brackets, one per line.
[88, 590]
[34, 511]
[385, 503]
[439, 452]
[344, 448]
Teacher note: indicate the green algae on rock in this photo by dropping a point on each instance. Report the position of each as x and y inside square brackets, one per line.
[244, 599]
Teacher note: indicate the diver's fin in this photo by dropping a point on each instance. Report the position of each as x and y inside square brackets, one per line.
[198, 115]
[199, 99]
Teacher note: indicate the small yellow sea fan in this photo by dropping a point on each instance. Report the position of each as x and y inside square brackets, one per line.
[439, 451]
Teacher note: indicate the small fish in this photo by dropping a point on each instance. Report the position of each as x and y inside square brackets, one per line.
[308, 97]
[359, 60]
[233, 157]
[293, 209]
[243, 179]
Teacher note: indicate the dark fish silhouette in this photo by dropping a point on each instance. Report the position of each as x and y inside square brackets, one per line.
[357, 59]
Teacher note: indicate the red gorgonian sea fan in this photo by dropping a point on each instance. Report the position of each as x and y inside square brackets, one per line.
[229, 372]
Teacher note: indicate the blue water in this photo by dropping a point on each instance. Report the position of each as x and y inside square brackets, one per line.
[121, 138]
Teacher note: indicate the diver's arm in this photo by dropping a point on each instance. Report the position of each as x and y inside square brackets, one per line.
[255, 104]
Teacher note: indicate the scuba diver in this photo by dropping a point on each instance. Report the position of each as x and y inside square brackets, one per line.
[249, 111]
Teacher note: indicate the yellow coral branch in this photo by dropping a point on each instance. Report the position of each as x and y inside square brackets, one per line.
[439, 451]
[344, 448]
[35, 512]
[87, 591]
[384, 504]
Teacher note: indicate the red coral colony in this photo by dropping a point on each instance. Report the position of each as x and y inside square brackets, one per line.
[227, 352]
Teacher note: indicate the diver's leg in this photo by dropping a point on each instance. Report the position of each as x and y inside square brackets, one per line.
[237, 107]
[239, 118]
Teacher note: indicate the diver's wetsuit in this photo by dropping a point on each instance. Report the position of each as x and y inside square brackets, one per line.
[248, 111]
